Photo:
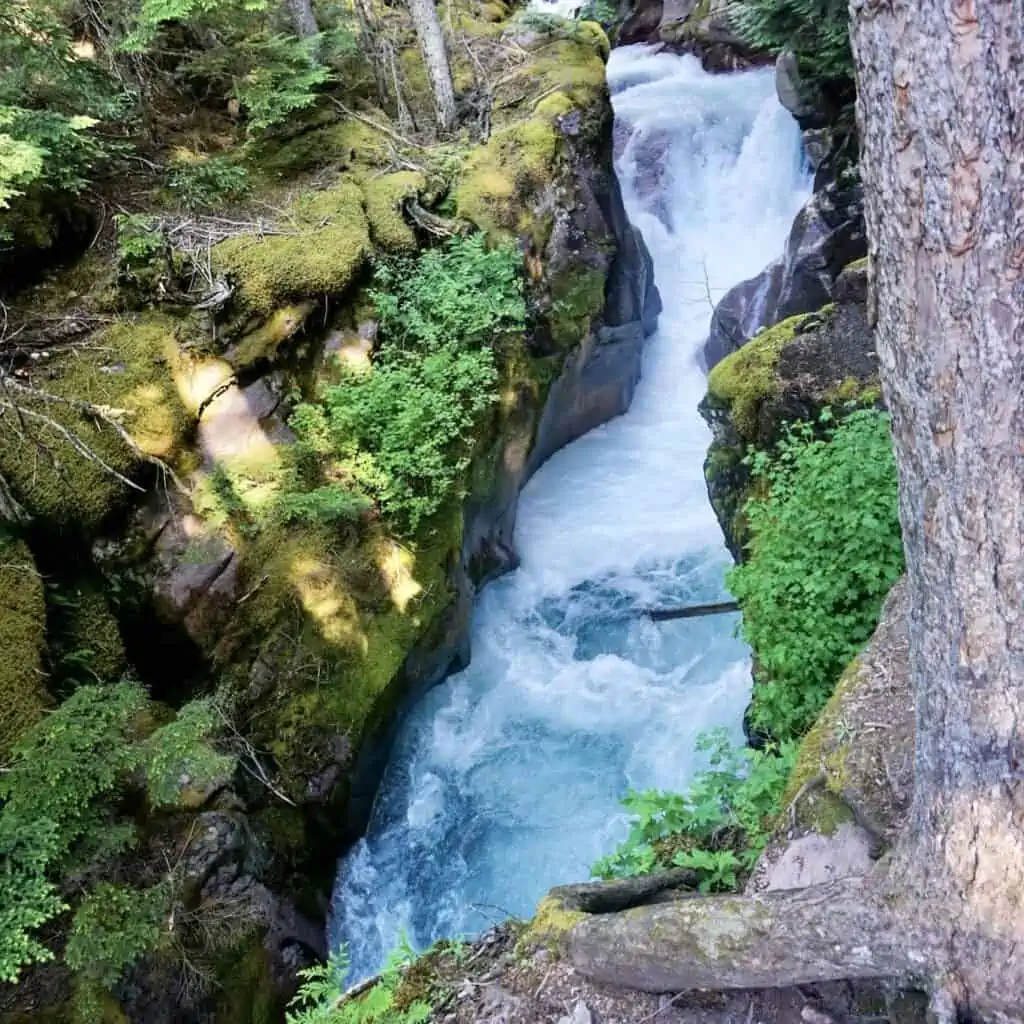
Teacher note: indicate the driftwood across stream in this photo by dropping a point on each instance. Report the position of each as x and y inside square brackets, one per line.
[694, 611]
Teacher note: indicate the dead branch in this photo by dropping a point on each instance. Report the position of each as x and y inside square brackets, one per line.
[442, 227]
[249, 759]
[104, 414]
[376, 126]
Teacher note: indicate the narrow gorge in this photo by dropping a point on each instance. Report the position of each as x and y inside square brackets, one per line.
[506, 779]
[509, 512]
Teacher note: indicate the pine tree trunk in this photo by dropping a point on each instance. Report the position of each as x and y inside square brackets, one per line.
[941, 114]
[303, 18]
[428, 29]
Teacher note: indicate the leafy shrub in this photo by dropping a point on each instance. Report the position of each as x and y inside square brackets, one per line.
[825, 549]
[817, 31]
[139, 241]
[404, 433]
[179, 754]
[284, 77]
[416, 415]
[50, 101]
[319, 998]
[208, 182]
[324, 505]
[602, 11]
[462, 294]
[113, 927]
[718, 827]
[63, 768]
[60, 794]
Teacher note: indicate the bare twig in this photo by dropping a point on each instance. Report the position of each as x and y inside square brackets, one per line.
[383, 128]
[249, 760]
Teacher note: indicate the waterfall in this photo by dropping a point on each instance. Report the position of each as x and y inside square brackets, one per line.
[506, 779]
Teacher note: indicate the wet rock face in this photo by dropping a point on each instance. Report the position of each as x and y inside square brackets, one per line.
[827, 235]
[786, 373]
[591, 237]
[698, 27]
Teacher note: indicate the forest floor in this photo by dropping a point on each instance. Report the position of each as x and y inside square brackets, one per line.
[498, 981]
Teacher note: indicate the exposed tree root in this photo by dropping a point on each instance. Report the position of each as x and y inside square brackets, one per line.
[842, 930]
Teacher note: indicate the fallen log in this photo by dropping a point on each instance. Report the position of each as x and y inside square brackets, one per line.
[691, 612]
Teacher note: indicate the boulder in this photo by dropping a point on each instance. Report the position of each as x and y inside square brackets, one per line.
[785, 373]
[827, 234]
[641, 24]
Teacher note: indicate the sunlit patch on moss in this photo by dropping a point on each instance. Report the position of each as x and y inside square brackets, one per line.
[128, 369]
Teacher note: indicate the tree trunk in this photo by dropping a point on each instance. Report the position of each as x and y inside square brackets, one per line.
[303, 18]
[941, 114]
[941, 105]
[428, 29]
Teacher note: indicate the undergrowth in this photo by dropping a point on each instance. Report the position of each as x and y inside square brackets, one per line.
[718, 827]
[60, 818]
[320, 999]
[401, 435]
[825, 550]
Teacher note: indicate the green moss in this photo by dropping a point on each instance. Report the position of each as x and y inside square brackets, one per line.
[263, 344]
[326, 143]
[500, 179]
[90, 642]
[23, 697]
[823, 748]
[384, 195]
[574, 67]
[551, 924]
[326, 244]
[823, 812]
[128, 368]
[578, 298]
[246, 986]
[852, 390]
[745, 378]
[335, 622]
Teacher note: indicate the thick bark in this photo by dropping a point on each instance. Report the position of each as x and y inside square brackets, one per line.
[428, 29]
[303, 18]
[941, 112]
[941, 108]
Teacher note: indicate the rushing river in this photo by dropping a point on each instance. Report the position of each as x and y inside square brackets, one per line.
[506, 779]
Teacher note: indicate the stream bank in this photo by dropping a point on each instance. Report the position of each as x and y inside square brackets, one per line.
[309, 638]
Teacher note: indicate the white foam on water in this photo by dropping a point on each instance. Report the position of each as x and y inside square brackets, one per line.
[506, 779]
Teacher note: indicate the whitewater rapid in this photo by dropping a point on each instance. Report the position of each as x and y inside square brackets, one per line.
[506, 779]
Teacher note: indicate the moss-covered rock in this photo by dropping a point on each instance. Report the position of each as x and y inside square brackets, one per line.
[503, 183]
[128, 370]
[87, 644]
[23, 697]
[264, 344]
[321, 141]
[322, 245]
[788, 372]
[332, 624]
[384, 196]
